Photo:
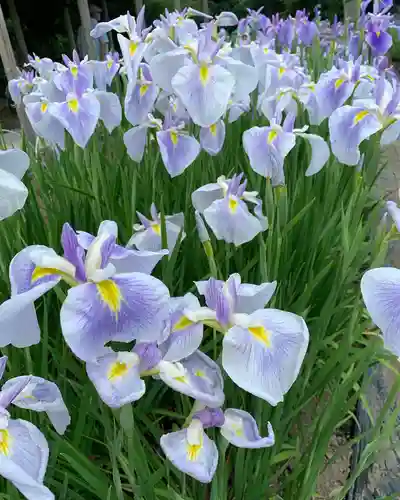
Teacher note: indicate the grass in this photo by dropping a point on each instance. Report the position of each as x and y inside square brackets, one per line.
[320, 241]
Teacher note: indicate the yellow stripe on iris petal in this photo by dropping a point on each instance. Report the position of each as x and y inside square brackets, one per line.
[110, 294]
[271, 136]
[143, 89]
[360, 116]
[193, 451]
[43, 107]
[181, 324]
[204, 74]
[117, 370]
[74, 71]
[5, 441]
[199, 373]
[181, 379]
[261, 334]
[339, 82]
[42, 272]
[133, 48]
[281, 72]
[156, 228]
[73, 105]
[213, 129]
[378, 34]
[110, 63]
[174, 137]
[233, 204]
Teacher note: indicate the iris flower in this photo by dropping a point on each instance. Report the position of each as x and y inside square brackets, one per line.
[13, 193]
[224, 207]
[24, 450]
[105, 71]
[101, 305]
[24, 84]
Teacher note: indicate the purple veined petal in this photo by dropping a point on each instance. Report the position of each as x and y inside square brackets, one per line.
[139, 101]
[130, 306]
[116, 378]
[212, 138]
[197, 376]
[210, 289]
[135, 141]
[192, 452]
[379, 41]
[265, 357]
[85, 239]
[253, 297]
[205, 195]
[332, 93]
[110, 109]
[246, 78]
[319, 153]
[394, 212]
[205, 91]
[41, 395]
[380, 289]
[390, 134]
[185, 336]
[164, 67]
[210, 417]
[178, 151]
[3, 363]
[241, 430]
[359, 123]
[149, 355]
[73, 252]
[15, 162]
[267, 148]
[132, 52]
[13, 194]
[79, 117]
[137, 261]
[11, 390]
[231, 221]
[45, 124]
[25, 462]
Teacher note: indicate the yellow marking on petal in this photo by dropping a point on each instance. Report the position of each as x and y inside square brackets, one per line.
[271, 136]
[156, 228]
[5, 441]
[378, 34]
[74, 71]
[262, 334]
[339, 82]
[171, 32]
[174, 137]
[43, 107]
[73, 105]
[233, 204]
[360, 116]
[281, 71]
[133, 48]
[117, 370]
[199, 373]
[110, 294]
[110, 63]
[193, 451]
[213, 129]
[266, 50]
[143, 90]
[204, 74]
[312, 86]
[181, 379]
[369, 78]
[42, 272]
[181, 324]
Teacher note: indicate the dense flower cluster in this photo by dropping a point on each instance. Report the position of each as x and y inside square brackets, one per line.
[184, 84]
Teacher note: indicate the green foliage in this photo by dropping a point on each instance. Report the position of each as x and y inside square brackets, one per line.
[317, 247]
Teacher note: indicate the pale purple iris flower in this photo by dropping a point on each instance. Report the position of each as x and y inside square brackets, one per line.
[377, 37]
[42, 65]
[263, 349]
[195, 454]
[267, 148]
[74, 75]
[380, 289]
[24, 450]
[306, 31]
[23, 85]
[212, 138]
[176, 25]
[101, 306]
[105, 71]
[286, 33]
[43, 122]
[13, 193]
[140, 96]
[224, 207]
[148, 235]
